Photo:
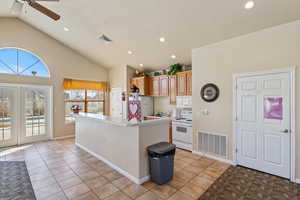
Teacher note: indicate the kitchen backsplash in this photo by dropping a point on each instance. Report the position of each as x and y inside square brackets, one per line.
[162, 104]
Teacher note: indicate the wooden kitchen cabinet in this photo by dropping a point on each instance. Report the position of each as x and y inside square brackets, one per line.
[142, 83]
[154, 85]
[164, 86]
[181, 84]
[173, 88]
[189, 83]
[184, 83]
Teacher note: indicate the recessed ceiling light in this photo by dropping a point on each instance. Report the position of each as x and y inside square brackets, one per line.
[141, 65]
[249, 5]
[129, 52]
[162, 39]
[66, 29]
[173, 56]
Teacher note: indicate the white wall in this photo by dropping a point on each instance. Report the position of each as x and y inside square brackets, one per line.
[277, 47]
[62, 62]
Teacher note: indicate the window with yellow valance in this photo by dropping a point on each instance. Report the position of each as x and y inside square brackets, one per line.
[89, 96]
[72, 84]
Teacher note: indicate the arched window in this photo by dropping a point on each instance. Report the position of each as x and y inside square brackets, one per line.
[20, 62]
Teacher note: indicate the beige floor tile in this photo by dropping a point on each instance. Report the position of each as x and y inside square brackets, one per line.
[70, 182]
[43, 183]
[76, 190]
[214, 172]
[121, 183]
[96, 182]
[86, 196]
[134, 190]
[149, 196]
[149, 184]
[202, 182]
[58, 196]
[177, 182]
[105, 190]
[47, 191]
[180, 196]
[112, 175]
[163, 191]
[193, 169]
[88, 175]
[65, 176]
[192, 190]
[118, 196]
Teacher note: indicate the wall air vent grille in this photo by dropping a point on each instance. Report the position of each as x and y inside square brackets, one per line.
[213, 144]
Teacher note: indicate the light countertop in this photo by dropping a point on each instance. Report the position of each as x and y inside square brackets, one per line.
[121, 122]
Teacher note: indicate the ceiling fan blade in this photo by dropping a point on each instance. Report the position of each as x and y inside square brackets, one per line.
[44, 10]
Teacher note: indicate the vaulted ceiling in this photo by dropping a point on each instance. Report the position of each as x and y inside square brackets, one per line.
[137, 25]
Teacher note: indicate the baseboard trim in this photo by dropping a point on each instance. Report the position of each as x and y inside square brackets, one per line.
[121, 171]
[297, 180]
[64, 137]
[214, 157]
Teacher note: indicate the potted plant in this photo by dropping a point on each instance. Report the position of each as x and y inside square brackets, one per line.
[75, 109]
[175, 68]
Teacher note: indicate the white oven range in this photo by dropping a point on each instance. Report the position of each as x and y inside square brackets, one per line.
[182, 133]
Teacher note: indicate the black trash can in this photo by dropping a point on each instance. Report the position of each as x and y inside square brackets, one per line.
[161, 162]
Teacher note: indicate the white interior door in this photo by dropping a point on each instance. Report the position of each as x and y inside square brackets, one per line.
[8, 116]
[263, 123]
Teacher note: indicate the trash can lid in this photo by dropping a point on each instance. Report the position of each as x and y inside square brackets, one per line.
[161, 148]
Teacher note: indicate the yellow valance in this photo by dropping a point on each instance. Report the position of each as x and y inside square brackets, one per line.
[71, 84]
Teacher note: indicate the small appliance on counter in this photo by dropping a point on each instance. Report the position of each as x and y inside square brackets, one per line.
[182, 130]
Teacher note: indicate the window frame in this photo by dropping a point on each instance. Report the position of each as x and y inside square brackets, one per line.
[85, 101]
[26, 75]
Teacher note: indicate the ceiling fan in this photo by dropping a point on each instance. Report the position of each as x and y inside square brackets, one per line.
[18, 5]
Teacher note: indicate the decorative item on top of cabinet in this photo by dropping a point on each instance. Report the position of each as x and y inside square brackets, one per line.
[154, 86]
[142, 83]
[173, 89]
[164, 86]
[184, 83]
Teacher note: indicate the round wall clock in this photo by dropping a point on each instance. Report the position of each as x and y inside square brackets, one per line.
[209, 92]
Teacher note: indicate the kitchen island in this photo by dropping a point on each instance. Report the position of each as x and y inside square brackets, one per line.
[119, 143]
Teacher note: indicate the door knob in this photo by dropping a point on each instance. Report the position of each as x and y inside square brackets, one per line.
[285, 131]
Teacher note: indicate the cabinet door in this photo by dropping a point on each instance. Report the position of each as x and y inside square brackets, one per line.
[189, 83]
[154, 86]
[164, 86]
[141, 85]
[173, 88]
[181, 84]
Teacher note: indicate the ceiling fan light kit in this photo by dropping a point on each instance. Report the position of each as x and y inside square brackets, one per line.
[17, 8]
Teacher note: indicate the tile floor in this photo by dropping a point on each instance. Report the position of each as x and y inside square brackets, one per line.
[59, 171]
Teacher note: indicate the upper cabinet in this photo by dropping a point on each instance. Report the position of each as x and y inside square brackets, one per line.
[184, 83]
[175, 85]
[164, 86]
[154, 86]
[173, 88]
[189, 83]
[142, 83]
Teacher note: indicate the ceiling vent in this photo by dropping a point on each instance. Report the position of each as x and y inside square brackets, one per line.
[105, 38]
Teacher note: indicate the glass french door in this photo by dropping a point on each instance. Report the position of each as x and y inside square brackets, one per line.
[25, 114]
[8, 116]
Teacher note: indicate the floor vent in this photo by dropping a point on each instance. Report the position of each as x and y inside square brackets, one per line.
[213, 144]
